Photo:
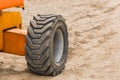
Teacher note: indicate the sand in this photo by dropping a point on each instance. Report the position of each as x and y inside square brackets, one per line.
[94, 40]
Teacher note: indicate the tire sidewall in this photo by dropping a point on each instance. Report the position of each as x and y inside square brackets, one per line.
[59, 24]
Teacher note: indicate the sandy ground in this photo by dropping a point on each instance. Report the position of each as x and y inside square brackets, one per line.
[94, 40]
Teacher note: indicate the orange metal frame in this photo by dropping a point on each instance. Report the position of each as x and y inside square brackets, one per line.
[10, 3]
[14, 41]
[9, 20]
[12, 38]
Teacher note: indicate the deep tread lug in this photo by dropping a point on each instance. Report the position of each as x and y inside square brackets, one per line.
[38, 45]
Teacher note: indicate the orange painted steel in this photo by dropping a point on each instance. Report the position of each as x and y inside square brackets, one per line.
[14, 41]
[9, 20]
[10, 3]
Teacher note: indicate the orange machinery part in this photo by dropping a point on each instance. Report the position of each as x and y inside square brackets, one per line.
[14, 41]
[10, 3]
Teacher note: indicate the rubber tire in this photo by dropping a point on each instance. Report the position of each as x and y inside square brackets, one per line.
[39, 45]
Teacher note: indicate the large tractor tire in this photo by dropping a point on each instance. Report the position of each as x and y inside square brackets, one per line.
[47, 45]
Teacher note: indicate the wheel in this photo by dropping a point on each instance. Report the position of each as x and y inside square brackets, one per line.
[47, 45]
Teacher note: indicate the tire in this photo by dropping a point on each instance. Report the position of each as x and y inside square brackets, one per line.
[47, 45]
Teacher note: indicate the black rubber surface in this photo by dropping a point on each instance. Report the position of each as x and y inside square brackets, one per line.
[40, 44]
